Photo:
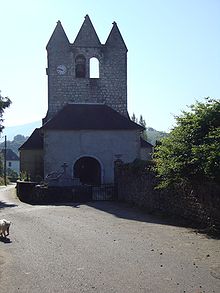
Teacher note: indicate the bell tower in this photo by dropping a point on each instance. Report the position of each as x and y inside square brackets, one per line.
[86, 71]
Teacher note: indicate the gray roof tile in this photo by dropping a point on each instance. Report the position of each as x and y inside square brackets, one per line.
[90, 116]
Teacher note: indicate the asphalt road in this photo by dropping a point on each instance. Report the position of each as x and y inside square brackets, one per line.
[101, 247]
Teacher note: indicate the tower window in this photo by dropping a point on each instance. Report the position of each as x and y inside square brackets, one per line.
[80, 63]
[94, 68]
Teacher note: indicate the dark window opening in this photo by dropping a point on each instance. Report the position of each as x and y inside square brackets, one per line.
[80, 65]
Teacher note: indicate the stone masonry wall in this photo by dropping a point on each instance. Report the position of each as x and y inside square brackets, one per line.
[200, 205]
[110, 88]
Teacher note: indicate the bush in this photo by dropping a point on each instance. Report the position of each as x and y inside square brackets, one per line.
[192, 150]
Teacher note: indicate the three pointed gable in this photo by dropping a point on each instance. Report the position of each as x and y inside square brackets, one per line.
[87, 36]
[58, 40]
[115, 39]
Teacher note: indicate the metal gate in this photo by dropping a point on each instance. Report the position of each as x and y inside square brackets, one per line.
[104, 192]
[82, 193]
[88, 193]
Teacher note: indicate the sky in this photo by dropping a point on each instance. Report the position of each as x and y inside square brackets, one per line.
[173, 52]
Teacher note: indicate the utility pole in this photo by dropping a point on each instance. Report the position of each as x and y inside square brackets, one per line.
[5, 167]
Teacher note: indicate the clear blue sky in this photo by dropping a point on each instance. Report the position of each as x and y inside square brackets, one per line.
[173, 52]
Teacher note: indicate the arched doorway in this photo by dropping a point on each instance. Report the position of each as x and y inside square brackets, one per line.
[88, 170]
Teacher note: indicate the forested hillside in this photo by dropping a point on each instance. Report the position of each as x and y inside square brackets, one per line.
[150, 134]
[153, 135]
[15, 143]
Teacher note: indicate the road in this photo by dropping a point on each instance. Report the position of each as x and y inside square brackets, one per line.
[101, 247]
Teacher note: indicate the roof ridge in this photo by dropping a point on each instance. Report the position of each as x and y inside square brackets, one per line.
[58, 38]
[87, 36]
[115, 38]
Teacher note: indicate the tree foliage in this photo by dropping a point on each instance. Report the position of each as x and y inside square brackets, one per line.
[192, 150]
[134, 118]
[4, 103]
[141, 122]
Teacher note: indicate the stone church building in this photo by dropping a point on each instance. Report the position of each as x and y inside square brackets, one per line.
[87, 127]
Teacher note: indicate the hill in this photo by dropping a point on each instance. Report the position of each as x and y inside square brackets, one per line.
[153, 135]
[25, 130]
[15, 143]
[17, 135]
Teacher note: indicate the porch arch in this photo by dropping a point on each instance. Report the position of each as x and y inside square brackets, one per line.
[88, 169]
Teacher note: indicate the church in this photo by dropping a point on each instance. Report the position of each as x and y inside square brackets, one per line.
[87, 126]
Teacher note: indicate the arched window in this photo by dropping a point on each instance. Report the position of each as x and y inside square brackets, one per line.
[80, 65]
[94, 68]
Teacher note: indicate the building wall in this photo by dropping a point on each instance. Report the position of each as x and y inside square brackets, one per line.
[110, 88]
[105, 146]
[31, 162]
[13, 165]
[146, 153]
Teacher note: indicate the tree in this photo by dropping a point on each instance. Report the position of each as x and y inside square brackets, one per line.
[4, 103]
[191, 153]
[142, 121]
[134, 118]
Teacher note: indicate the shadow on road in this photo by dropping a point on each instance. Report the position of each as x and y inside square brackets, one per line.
[5, 240]
[4, 205]
[130, 212]
[134, 213]
[126, 211]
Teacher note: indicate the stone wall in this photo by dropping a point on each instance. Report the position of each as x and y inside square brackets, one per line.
[31, 163]
[111, 86]
[199, 205]
[32, 193]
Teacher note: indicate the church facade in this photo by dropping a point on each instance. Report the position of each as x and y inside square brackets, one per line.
[87, 125]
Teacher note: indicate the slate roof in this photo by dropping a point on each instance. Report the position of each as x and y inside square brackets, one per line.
[115, 39]
[145, 144]
[10, 155]
[90, 117]
[87, 36]
[58, 39]
[34, 142]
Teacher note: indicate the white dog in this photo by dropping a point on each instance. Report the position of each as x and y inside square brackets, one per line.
[4, 227]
